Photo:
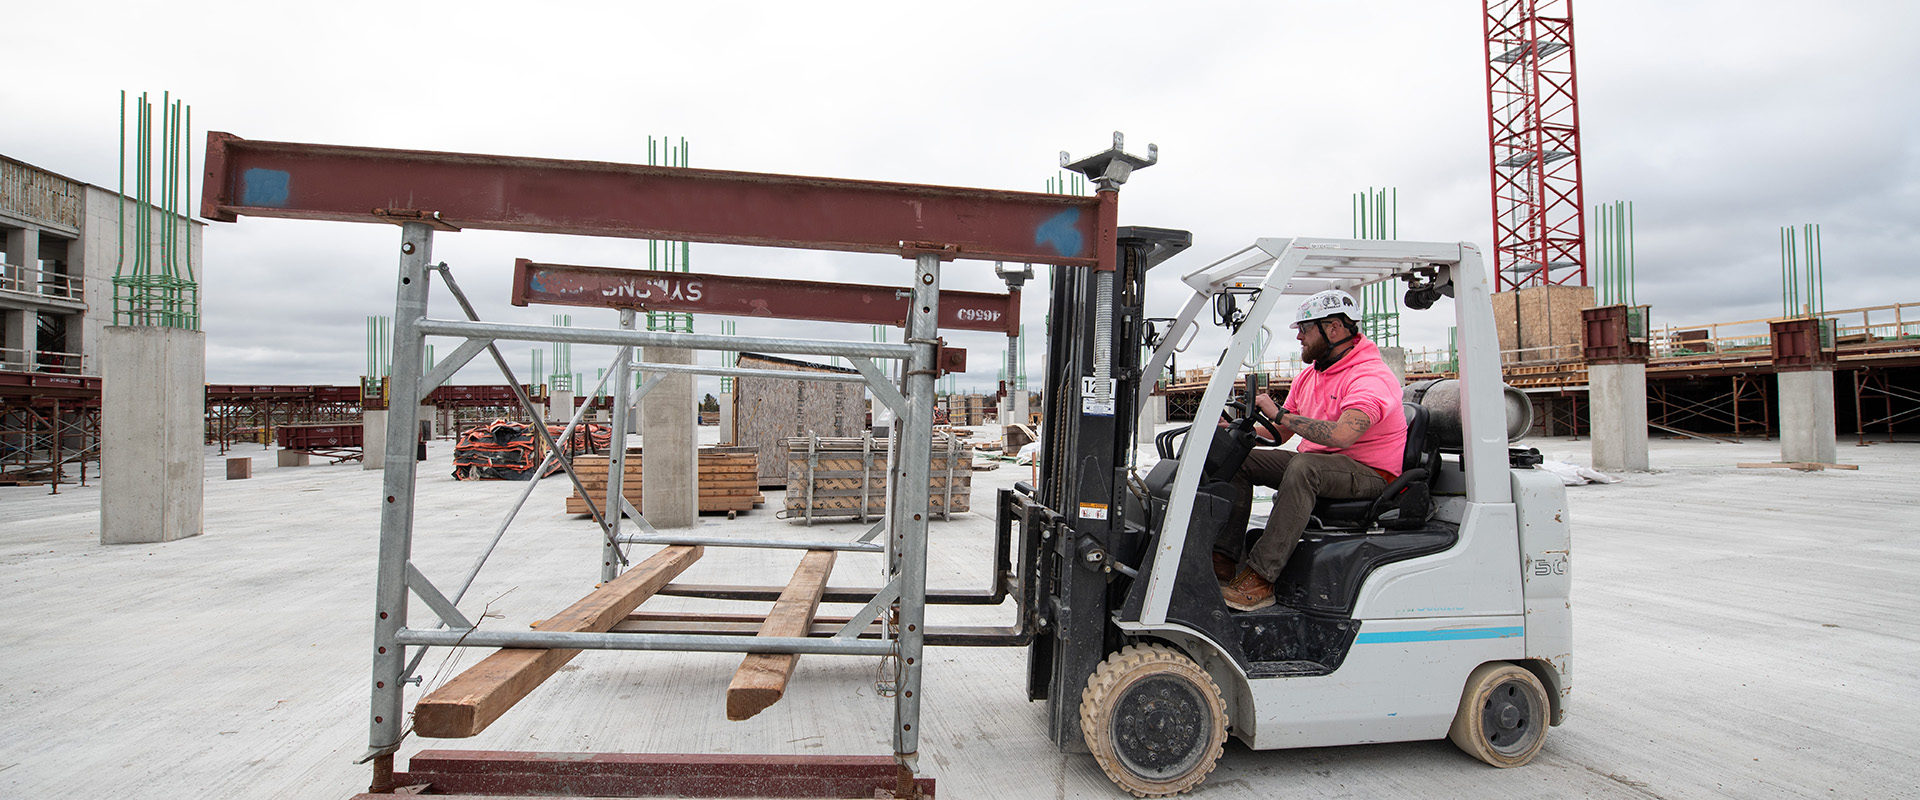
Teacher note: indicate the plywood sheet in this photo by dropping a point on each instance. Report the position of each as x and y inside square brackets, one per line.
[768, 411]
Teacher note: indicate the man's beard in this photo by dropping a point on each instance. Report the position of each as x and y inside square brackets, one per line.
[1313, 352]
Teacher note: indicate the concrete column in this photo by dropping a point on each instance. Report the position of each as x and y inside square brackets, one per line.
[22, 339]
[23, 252]
[1617, 408]
[1155, 413]
[373, 439]
[669, 441]
[432, 416]
[23, 325]
[559, 406]
[1020, 409]
[726, 418]
[1806, 416]
[152, 407]
[1396, 358]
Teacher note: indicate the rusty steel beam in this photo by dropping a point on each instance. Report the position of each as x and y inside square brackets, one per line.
[740, 296]
[452, 191]
[651, 775]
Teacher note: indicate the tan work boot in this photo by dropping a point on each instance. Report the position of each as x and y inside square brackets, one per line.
[1224, 568]
[1247, 591]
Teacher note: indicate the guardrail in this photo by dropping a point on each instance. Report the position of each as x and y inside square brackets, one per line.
[12, 358]
[46, 283]
[1748, 336]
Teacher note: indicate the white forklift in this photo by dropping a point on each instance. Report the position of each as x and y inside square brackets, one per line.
[1439, 609]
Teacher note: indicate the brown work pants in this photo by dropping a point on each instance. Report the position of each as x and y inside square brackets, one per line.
[1298, 478]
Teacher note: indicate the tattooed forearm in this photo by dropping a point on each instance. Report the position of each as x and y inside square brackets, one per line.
[1318, 431]
[1342, 432]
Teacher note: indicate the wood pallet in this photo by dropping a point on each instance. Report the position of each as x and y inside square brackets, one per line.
[728, 481]
[847, 477]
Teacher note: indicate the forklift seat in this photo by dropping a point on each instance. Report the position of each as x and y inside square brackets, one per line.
[1407, 495]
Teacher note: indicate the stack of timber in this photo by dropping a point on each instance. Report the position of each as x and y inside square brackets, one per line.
[769, 411]
[968, 409]
[847, 477]
[728, 481]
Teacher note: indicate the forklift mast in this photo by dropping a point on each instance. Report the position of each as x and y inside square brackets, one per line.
[1096, 326]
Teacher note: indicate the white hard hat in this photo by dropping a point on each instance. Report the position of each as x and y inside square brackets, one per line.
[1326, 304]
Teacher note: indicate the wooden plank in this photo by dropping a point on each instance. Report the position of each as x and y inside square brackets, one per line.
[475, 698]
[1803, 466]
[724, 468]
[730, 487]
[576, 505]
[762, 678]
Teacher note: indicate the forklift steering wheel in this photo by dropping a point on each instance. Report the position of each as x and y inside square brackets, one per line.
[1251, 425]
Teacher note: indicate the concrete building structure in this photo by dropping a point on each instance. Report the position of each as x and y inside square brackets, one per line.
[62, 241]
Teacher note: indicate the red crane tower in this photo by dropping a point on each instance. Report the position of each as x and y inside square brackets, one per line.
[1533, 136]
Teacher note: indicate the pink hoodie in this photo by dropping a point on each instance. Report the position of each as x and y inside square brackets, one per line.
[1360, 380]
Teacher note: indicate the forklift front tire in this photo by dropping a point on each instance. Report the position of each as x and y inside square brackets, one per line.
[1154, 720]
[1503, 715]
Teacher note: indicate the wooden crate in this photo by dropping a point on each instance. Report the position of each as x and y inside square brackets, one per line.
[1540, 323]
[846, 477]
[769, 411]
[729, 480]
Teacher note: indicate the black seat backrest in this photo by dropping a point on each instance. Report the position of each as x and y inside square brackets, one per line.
[1359, 514]
[1416, 453]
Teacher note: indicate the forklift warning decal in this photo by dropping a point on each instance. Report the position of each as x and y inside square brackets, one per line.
[1093, 511]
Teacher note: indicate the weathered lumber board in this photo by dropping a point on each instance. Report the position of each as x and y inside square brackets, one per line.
[475, 698]
[707, 502]
[1803, 466]
[762, 678]
[727, 480]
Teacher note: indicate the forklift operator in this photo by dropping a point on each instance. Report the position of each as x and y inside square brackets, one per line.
[1346, 410]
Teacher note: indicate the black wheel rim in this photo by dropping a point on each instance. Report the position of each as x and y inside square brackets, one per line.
[1161, 726]
[1510, 718]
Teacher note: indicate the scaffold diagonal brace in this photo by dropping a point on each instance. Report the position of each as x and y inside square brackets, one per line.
[425, 590]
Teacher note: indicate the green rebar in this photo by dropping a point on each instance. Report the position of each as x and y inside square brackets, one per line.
[1633, 266]
[121, 207]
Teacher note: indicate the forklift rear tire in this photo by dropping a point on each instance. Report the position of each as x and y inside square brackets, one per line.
[1503, 715]
[1154, 720]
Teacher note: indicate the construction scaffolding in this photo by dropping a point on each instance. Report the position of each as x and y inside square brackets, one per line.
[49, 428]
[248, 414]
[450, 192]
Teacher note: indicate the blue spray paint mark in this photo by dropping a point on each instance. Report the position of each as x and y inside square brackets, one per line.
[1438, 636]
[263, 188]
[1060, 233]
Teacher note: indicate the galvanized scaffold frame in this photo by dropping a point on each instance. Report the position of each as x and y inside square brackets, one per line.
[912, 401]
[449, 192]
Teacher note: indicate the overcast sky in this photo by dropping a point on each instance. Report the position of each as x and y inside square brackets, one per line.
[1722, 121]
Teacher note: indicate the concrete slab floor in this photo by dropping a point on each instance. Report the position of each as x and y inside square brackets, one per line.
[1739, 633]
